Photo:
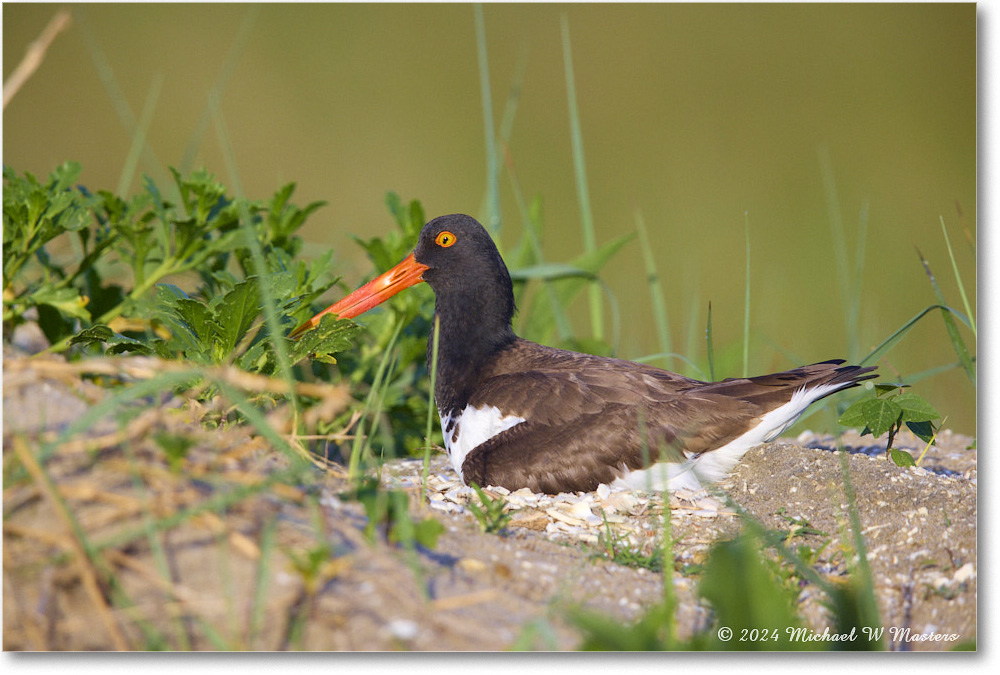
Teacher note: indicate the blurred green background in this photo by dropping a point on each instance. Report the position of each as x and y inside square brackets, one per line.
[796, 115]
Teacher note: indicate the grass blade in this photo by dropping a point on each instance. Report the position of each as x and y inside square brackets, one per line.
[582, 191]
[891, 341]
[373, 405]
[139, 138]
[949, 323]
[154, 387]
[513, 96]
[667, 548]
[225, 73]
[708, 346]
[913, 378]
[262, 578]
[540, 323]
[35, 54]
[89, 563]
[492, 159]
[746, 302]
[850, 297]
[868, 608]
[530, 233]
[854, 339]
[692, 339]
[655, 286]
[216, 503]
[156, 548]
[431, 403]
[118, 100]
[958, 279]
[269, 302]
[550, 272]
[255, 417]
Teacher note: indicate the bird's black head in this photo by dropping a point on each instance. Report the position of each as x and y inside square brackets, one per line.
[466, 271]
[460, 254]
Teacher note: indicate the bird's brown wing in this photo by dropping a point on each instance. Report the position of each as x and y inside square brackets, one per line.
[588, 419]
[587, 427]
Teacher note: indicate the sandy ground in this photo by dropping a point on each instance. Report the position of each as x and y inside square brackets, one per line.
[227, 577]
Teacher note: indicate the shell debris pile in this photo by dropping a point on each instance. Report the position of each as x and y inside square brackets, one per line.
[630, 517]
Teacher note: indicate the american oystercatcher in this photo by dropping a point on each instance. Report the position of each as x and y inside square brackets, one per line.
[517, 414]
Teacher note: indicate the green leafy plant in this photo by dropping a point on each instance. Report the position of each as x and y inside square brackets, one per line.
[799, 526]
[888, 410]
[390, 509]
[649, 633]
[743, 591]
[152, 240]
[175, 447]
[746, 594]
[490, 513]
[399, 327]
[35, 215]
[616, 548]
[754, 609]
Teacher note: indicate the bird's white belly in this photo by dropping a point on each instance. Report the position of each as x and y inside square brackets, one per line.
[471, 429]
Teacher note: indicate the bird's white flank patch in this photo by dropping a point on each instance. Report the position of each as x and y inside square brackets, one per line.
[713, 465]
[471, 429]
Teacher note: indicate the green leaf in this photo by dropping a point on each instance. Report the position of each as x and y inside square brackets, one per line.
[332, 335]
[98, 334]
[604, 633]
[549, 271]
[922, 430]
[901, 458]
[880, 414]
[854, 416]
[66, 300]
[175, 447]
[127, 345]
[283, 219]
[198, 319]
[427, 532]
[377, 252]
[177, 312]
[417, 219]
[745, 595]
[395, 205]
[851, 605]
[236, 313]
[65, 175]
[915, 408]
[117, 344]
[888, 387]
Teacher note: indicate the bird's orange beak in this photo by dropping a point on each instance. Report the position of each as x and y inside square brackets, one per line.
[375, 292]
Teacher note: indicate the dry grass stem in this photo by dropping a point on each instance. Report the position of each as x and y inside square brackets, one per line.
[34, 55]
[87, 572]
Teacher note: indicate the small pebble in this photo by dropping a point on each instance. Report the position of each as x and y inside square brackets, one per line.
[964, 573]
[404, 629]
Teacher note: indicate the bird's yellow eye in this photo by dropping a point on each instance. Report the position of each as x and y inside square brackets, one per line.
[445, 239]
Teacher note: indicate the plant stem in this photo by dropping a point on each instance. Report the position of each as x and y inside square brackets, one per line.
[583, 192]
[958, 279]
[746, 301]
[492, 161]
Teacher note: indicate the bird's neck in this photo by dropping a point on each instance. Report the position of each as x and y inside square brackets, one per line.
[473, 328]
